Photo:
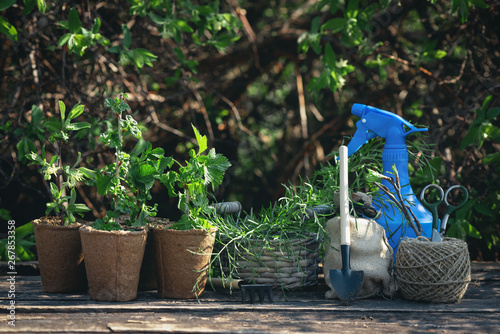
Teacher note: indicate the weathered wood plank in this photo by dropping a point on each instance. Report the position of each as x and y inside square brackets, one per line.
[255, 322]
[222, 312]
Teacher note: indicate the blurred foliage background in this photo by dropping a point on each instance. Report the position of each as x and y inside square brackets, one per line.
[271, 84]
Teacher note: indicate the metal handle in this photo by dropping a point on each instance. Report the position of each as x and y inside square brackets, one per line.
[452, 208]
[432, 207]
[322, 209]
[228, 207]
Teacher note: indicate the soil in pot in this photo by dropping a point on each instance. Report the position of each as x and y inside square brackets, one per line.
[182, 261]
[113, 262]
[60, 255]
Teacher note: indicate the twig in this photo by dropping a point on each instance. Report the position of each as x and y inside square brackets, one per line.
[426, 72]
[235, 112]
[399, 202]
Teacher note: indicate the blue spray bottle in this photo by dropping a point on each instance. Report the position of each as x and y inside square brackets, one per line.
[380, 123]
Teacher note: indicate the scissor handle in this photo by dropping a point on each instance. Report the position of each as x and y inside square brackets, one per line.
[432, 207]
[435, 204]
[452, 208]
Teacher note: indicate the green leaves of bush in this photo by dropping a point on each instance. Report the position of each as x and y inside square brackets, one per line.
[80, 39]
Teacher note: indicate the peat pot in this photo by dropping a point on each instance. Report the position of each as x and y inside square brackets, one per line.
[429, 271]
[182, 261]
[60, 256]
[147, 278]
[113, 261]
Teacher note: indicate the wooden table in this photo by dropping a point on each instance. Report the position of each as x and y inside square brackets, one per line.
[223, 312]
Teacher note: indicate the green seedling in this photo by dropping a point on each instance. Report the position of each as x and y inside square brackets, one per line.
[191, 181]
[66, 177]
[129, 179]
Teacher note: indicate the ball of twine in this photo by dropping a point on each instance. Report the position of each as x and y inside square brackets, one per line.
[432, 271]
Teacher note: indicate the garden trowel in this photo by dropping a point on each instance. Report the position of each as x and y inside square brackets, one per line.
[345, 282]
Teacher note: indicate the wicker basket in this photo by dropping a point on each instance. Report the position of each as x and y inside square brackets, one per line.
[290, 264]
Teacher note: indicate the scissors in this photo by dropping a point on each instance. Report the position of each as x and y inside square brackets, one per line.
[438, 231]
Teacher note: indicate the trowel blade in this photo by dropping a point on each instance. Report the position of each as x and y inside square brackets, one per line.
[346, 283]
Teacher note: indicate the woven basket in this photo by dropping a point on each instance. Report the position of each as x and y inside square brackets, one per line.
[290, 264]
[432, 271]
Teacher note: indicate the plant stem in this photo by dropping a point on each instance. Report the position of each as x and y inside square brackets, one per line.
[59, 178]
[118, 151]
[187, 200]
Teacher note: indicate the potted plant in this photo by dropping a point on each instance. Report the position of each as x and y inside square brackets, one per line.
[114, 245]
[57, 239]
[183, 251]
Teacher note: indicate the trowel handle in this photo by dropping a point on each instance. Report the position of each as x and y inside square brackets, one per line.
[345, 235]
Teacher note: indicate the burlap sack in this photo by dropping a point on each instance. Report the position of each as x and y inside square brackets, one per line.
[370, 253]
[113, 261]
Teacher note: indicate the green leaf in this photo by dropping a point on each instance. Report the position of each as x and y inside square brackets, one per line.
[62, 110]
[74, 22]
[493, 113]
[77, 126]
[352, 8]
[24, 230]
[168, 180]
[434, 54]
[182, 25]
[205, 10]
[50, 206]
[143, 174]
[52, 125]
[54, 190]
[96, 26]
[80, 208]
[24, 148]
[41, 5]
[28, 6]
[72, 199]
[215, 168]
[64, 39]
[53, 159]
[127, 39]
[492, 159]
[4, 4]
[103, 183]
[330, 58]
[334, 25]
[76, 111]
[88, 173]
[201, 140]
[157, 19]
[8, 29]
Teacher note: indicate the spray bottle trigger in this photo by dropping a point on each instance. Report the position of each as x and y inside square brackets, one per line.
[361, 137]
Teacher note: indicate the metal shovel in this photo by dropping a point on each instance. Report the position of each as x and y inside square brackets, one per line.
[345, 282]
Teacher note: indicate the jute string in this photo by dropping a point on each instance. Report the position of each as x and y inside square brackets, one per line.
[432, 271]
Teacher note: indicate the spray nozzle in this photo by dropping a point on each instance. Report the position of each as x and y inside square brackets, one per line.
[376, 122]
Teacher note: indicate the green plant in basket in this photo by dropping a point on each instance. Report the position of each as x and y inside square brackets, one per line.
[129, 179]
[278, 244]
[191, 181]
[66, 177]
